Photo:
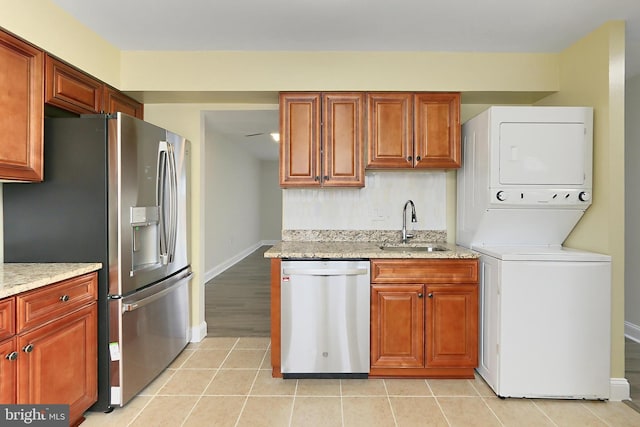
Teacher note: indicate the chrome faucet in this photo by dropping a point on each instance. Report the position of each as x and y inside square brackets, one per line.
[414, 218]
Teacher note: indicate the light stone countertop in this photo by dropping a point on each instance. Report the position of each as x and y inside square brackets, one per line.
[20, 277]
[370, 250]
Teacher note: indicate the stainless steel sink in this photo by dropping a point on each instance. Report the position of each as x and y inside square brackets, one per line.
[428, 248]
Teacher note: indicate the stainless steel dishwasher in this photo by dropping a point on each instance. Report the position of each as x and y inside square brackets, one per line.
[325, 319]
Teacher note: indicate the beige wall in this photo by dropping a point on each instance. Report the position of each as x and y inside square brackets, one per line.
[47, 26]
[592, 73]
[632, 202]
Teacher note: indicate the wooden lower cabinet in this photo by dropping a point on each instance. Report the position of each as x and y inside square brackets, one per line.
[53, 359]
[427, 329]
[397, 326]
[58, 362]
[8, 371]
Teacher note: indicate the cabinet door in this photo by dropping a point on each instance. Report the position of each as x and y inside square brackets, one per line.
[117, 102]
[58, 362]
[343, 139]
[7, 318]
[437, 130]
[397, 326]
[8, 370]
[22, 107]
[71, 89]
[300, 140]
[389, 130]
[452, 325]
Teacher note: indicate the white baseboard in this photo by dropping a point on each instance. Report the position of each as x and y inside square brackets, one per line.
[235, 259]
[198, 332]
[632, 331]
[619, 389]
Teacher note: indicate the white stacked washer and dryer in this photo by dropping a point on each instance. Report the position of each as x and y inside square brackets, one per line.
[545, 309]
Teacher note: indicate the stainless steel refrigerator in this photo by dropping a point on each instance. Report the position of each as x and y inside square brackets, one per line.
[114, 192]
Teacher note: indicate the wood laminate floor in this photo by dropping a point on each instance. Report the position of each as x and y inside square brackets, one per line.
[632, 371]
[237, 301]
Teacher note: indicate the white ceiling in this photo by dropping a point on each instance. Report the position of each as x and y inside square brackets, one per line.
[365, 25]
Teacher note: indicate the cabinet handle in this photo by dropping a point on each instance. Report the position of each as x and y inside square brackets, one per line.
[430, 295]
[12, 356]
[28, 348]
[418, 158]
[420, 295]
[64, 298]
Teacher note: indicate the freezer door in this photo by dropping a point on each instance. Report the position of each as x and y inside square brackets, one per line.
[152, 330]
[147, 204]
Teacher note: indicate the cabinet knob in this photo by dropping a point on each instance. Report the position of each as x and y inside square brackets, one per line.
[430, 295]
[317, 178]
[326, 178]
[64, 298]
[28, 348]
[409, 158]
[420, 295]
[418, 158]
[12, 356]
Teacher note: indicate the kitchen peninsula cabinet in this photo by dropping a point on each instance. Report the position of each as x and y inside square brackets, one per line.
[73, 90]
[52, 358]
[424, 318]
[22, 106]
[322, 139]
[413, 130]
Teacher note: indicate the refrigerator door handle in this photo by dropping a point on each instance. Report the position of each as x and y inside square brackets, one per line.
[173, 200]
[136, 304]
[161, 193]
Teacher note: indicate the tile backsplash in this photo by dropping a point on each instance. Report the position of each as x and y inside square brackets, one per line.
[377, 206]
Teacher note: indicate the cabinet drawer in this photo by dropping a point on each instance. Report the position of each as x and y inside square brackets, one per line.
[7, 318]
[42, 305]
[424, 271]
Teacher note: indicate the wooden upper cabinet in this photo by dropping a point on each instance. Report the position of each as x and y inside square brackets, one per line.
[437, 130]
[413, 130]
[71, 89]
[321, 139]
[22, 106]
[68, 88]
[389, 130]
[343, 139]
[117, 102]
[300, 160]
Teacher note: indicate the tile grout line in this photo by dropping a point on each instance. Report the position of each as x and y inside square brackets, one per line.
[544, 412]
[246, 399]
[154, 395]
[210, 381]
[393, 414]
[293, 402]
[596, 415]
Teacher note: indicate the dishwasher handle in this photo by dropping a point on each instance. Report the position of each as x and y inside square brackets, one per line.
[324, 271]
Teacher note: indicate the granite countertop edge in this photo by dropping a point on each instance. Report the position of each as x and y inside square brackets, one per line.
[16, 278]
[364, 250]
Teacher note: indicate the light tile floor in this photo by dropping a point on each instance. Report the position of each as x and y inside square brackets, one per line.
[227, 382]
